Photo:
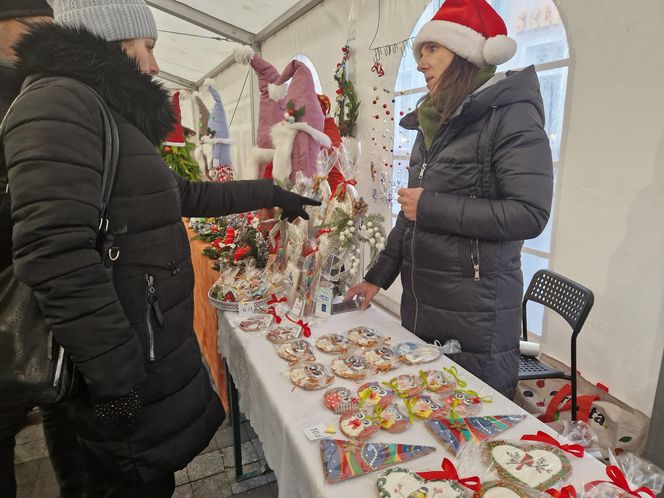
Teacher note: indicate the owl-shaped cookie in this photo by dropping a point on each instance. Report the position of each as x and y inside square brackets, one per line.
[372, 394]
[462, 403]
[365, 337]
[392, 419]
[352, 366]
[437, 381]
[340, 400]
[294, 351]
[381, 358]
[422, 406]
[407, 385]
[333, 343]
[311, 376]
[359, 425]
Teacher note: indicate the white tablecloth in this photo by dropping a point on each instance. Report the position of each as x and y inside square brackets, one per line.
[278, 413]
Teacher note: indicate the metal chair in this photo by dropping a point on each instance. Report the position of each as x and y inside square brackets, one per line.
[571, 301]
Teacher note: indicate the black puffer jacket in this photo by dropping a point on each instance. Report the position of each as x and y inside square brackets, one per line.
[113, 329]
[487, 183]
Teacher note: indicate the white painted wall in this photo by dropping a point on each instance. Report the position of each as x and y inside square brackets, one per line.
[611, 197]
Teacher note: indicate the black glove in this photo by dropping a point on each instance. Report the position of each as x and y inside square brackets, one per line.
[119, 414]
[292, 204]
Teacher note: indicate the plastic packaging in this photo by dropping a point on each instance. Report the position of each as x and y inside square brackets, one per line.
[359, 425]
[352, 366]
[437, 381]
[254, 323]
[422, 406]
[392, 419]
[628, 476]
[414, 353]
[463, 403]
[278, 334]
[365, 337]
[333, 343]
[340, 400]
[373, 395]
[311, 376]
[381, 358]
[296, 351]
[406, 385]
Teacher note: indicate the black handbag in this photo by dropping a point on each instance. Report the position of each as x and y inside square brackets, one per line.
[34, 368]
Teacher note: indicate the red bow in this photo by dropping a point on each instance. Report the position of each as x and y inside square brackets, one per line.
[274, 299]
[273, 312]
[323, 231]
[340, 193]
[543, 437]
[450, 472]
[566, 492]
[378, 69]
[306, 330]
[618, 479]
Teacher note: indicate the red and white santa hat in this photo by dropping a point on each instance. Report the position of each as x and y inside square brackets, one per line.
[470, 29]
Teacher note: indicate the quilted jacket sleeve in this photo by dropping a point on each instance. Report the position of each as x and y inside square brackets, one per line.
[220, 199]
[524, 182]
[53, 150]
[388, 264]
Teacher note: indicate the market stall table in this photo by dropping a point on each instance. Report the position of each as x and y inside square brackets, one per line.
[205, 317]
[279, 413]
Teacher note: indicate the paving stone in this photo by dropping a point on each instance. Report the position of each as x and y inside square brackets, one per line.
[250, 430]
[181, 477]
[216, 486]
[268, 491]
[212, 446]
[224, 436]
[258, 446]
[205, 465]
[249, 455]
[183, 491]
[29, 434]
[33, 450]
[243, 486]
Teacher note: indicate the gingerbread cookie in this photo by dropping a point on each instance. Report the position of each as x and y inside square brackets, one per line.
[340, 400]
[359, 425]
[333, 343]
[352, 366]
[295, 351]
[372, 395]
[311, 376]
[380, 358]
[365, 337]
[283, 333]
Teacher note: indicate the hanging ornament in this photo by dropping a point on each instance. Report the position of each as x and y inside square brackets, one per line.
[378, 69]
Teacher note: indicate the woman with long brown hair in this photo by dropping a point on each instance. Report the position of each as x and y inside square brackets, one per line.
[480, 182]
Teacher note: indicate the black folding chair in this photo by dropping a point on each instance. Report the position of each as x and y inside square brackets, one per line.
[571, 301]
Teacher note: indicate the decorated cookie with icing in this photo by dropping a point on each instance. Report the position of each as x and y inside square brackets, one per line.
[365, 337]
[437, 381]
[333, 343]
[392, 419]
[255, 322]
[340, 400]
[462, 403]
[413, 353]
[283, 333]
[381, 358]
[295, 351]
[539, 466]
[352, 366]
[311, 376]
[422, 406]
[399, 482]
[359, 425]
[406, 385]
[503, 489]
[373, 394]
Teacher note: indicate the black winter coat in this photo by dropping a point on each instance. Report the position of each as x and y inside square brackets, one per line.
[136, 326]
[488, 184]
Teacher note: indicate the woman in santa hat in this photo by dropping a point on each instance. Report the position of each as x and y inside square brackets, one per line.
[480, 182]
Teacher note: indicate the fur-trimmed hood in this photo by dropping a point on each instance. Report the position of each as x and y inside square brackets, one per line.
[53, 50]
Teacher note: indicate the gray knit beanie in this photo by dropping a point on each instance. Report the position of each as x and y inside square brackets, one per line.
[113, 20]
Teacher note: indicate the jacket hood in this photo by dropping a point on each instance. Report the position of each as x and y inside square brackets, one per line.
[52, 50]
[516, 86]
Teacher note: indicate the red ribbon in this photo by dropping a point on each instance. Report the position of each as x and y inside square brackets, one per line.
[378, 69]
[323, 231]
[566, 492]
[310, 251]
[542, 437]
[341, 188]
[306, 330]
[275, 299]
[273, 312]
[450, 472]
[618, 479]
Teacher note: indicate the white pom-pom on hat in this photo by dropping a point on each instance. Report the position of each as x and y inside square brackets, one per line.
[498, 50]
[243, 54]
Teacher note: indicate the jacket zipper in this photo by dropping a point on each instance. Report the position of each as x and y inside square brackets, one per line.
[475, 254]
[152, 305]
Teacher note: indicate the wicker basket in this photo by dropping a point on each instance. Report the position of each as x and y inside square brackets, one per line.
[234, 306]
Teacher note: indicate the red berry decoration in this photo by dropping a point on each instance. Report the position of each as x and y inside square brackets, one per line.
[540, 383]
[344, 49]
[167, 149]
[384, 106]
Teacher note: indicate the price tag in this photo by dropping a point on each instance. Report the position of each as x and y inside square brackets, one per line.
[316, 432]
[246, 309]
[298, 306]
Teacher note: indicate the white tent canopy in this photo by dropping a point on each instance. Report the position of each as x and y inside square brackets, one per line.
[197, 37]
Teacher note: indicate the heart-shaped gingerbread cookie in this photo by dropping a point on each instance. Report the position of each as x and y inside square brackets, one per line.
[399, 482]
[539, 466]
